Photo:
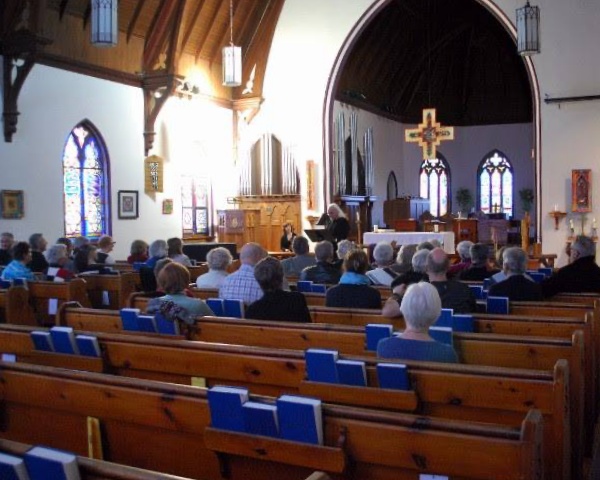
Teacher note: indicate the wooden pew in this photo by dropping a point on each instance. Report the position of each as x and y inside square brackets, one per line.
[487, 394]
[165, 427]
[40, 293]
[118, 288]
[14, 306]
[91, 469]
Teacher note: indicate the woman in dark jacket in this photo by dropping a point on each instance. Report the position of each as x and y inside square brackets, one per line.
[353, 290]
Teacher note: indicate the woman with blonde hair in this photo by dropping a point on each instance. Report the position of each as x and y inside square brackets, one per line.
[338, 227]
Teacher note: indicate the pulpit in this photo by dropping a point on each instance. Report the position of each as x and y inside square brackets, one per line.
[259, 219]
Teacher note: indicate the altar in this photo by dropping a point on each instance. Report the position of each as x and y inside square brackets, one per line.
[407, 238]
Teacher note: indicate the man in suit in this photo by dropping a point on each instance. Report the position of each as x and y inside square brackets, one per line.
[516, 286]
[581, 275]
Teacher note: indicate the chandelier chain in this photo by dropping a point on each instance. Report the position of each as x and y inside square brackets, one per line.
[231, 22]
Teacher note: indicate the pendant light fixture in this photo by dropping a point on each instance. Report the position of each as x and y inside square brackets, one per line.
[105, 31]
[528, 30]
[232, 57]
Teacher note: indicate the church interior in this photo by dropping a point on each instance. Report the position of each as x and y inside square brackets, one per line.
[219, 121]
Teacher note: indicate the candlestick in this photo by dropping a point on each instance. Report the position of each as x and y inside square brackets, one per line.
[556, 207]
[594, 223]
[571, 224]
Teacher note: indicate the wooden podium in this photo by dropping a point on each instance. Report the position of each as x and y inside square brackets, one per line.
[259, 219]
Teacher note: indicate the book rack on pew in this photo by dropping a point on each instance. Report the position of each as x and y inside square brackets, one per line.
[380, 398]
[320, 457]
[61, 360]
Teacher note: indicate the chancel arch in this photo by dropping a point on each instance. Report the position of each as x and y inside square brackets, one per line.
[414, 85]
[86, 192]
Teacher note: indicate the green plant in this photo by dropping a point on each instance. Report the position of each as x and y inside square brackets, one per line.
[464, 198]
[526, 196]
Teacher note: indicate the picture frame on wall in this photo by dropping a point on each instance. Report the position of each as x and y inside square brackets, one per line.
[12, 204]
[167, 206]
[128, 204]
[581, 191]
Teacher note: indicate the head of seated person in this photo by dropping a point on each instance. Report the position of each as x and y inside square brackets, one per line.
[252, 253]
[21, 252]
[85, 258]
[514, 261]
[582, 247]
[158, 249]
[324, 252]
[479, 255]
[404, 257]
[464, 250]
[269, 274]
[219, 259]
[173, 279]
[138, 252]
[300, 246]
[421, 306]
[57, 255]
[383, 253]
[425, 245]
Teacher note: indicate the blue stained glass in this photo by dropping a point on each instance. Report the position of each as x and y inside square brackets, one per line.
[85, 192]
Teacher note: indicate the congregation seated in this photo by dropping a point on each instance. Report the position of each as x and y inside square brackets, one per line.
[421, 306]
[582, 274]
[38, 244]
[241, 284]
[173, 279]
[7, 240]
[464, 252]
[292, 267]
[58, 258]
[17, 268]
[105, 246]
[85, 259]
[516, 286]
[138, 252]
[276, 303]
[479, 269]
[383, 253]
[175, 252]
[404, 258]
[325, 270]
[77, 243]
[353, 290]
[217, 259]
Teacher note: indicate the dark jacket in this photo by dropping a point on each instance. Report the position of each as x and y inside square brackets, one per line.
[322, 272]
[338, 230]
[5, 257]
[476, 273]
[583, 275]
[280, 305]
[353, 296]
[38, 262]
[517, 288]
[456, 295]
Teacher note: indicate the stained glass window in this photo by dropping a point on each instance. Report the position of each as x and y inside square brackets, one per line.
[195, 206]
[495, 177]
[435, 185]
[85, 185]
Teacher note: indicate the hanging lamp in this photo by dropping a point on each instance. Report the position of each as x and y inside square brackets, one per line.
[105, 31]
[528, 30]
[232, 57]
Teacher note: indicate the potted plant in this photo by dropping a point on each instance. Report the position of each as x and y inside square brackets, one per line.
[526, 196]
[464, 198]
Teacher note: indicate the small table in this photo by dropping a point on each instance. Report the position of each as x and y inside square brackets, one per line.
[408, 238]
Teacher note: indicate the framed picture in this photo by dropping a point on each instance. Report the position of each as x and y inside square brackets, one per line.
[128, 204]
[12, 204]
[167, 206]
[581, 191]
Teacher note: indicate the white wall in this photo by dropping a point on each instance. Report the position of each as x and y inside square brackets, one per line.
[194, 138]
[311, 32]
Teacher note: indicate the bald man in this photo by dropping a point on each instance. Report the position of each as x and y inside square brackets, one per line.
[241, 285]
[455, 295]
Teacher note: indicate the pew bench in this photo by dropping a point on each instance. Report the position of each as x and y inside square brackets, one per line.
[111, 291]
[165, 427]
[487, 394]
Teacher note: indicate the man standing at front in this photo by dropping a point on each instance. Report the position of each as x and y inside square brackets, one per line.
[241, 285]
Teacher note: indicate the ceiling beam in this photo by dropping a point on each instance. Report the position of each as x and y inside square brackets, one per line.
[208, 28]
[164, 31]
[192, 24]
[134, 19]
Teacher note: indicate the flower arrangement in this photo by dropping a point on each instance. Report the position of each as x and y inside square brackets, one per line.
[526, 195]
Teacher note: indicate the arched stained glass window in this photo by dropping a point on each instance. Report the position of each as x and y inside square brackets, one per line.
[435, 185]
[495, 179]
[85, 184]
[195, 205]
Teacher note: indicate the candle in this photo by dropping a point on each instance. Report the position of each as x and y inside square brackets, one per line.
[357, 217]
[571, 224]
[555, 207]
[594, 223]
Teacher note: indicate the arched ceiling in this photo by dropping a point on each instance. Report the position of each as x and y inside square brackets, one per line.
[451, 55]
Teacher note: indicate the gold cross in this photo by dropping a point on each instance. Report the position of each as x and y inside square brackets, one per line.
[429, 134]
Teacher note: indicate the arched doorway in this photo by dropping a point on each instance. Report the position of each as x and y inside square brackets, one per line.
[496, 15]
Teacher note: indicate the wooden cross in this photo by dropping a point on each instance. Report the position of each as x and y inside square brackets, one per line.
[429, 134]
